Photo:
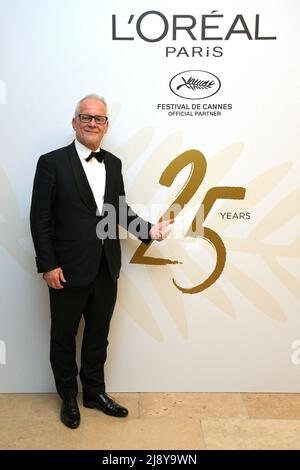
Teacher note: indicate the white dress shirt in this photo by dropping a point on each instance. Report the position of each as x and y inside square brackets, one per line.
[95, 173]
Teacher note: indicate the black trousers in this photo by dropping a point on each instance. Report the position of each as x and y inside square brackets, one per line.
[96, 303]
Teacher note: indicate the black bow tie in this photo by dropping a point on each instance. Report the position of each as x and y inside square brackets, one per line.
[98, 155]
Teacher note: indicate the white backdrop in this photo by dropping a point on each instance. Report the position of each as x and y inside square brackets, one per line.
[240, 334]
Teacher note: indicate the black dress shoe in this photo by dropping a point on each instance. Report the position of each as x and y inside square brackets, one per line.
[106, 404]
[69, 413]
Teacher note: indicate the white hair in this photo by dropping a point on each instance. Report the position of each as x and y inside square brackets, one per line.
[87, 97]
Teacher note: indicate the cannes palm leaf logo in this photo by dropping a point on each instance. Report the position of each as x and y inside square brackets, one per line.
[194, 84]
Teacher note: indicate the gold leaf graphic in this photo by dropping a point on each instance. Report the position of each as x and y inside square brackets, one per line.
[132, 298]
[133, 302]
[134, 147]
[255, 293]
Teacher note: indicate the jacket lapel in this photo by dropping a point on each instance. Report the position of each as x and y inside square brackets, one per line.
[82, 183]
[109, 184]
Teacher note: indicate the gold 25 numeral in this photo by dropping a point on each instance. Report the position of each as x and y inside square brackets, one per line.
[194, 180]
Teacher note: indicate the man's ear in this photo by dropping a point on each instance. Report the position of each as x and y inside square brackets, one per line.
[74, 124]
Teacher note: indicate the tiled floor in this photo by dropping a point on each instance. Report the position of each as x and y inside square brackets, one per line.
[156, 421]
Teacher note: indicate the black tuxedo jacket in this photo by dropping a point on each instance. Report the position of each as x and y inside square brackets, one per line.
[63, 217]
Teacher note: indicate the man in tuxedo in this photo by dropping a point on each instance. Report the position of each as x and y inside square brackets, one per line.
[80, 263]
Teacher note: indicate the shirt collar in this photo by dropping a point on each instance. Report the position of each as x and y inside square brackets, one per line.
[82, 150]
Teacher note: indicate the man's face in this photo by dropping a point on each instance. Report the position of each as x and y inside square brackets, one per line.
[90, 134]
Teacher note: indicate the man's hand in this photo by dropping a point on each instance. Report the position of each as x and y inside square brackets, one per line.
[54, 277]
[161, 230]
